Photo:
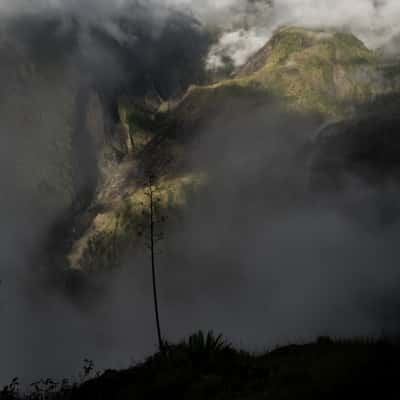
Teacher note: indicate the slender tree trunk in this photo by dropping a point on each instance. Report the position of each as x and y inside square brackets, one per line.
[153, 270]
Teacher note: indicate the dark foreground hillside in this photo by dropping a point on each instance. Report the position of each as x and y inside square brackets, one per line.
[207, 368]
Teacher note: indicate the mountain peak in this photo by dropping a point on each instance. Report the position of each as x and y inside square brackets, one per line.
[320, 70]
[290, 45]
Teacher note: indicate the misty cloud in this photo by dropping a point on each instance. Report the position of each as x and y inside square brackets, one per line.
[246, 25]
[257, 256]
[374, 22]
[55, 58]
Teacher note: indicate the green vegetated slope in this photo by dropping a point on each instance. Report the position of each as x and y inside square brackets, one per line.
[324, 74]
[118, 226]
[318, 73]
[315, 71]
[204, 367]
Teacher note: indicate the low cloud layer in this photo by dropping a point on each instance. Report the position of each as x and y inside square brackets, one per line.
[251, 24]
[376, 19]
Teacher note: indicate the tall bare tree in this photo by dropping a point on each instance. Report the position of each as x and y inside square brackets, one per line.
[151, 226]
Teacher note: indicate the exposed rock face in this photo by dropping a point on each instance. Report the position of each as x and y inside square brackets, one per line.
[55, 149]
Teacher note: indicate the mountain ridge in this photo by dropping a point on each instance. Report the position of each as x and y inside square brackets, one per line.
[319, 75]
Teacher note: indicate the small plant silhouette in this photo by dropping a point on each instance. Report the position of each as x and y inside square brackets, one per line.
[201, 343]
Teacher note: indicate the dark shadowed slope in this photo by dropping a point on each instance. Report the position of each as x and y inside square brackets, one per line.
[205, 367]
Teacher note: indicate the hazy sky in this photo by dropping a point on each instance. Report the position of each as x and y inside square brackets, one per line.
[374, 21]
[358, 14]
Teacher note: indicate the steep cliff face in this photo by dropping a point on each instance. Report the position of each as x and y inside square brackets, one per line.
[57, 87]
[54, 146]
[301, 78]
[37, 120]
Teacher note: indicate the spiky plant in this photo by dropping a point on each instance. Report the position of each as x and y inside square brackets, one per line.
[209, 343]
